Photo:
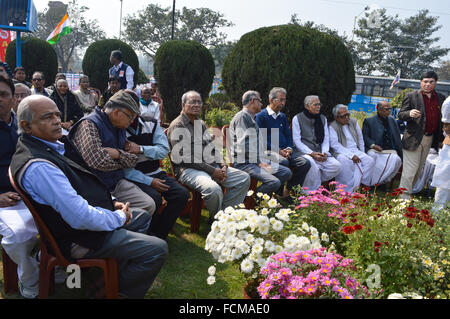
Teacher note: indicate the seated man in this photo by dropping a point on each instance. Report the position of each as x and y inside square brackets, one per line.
[272, 118]
[100, 139]
[114, 87]
[311, 138]
[248, 148]
[20, 76]
[38, 80]
[383, 143]
[21, 92]
[347, 145]
[150, 110]
[147, 140]
[17, 228]
[77, 207]
[198, 164]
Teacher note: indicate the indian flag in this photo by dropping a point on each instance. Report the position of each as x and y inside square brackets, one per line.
[63, 28]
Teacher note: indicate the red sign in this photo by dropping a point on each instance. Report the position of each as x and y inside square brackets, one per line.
[5, 39]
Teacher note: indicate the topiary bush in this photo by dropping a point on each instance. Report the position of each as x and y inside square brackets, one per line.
[96, 61]
[181, 66]
[142, 78]
[397, 101]
[37, 55]
[304, 61]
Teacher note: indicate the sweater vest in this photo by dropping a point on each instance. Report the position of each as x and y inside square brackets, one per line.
[144, 139]
[122, 79]
[307, 131]
[86, 184]
[110, 137]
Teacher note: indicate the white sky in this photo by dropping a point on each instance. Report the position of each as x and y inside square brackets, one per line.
[252, 14]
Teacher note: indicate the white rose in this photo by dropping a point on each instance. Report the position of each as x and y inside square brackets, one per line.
[277, 226]
[247, 266]
[212, 271]
[211, 280]
[305, 226]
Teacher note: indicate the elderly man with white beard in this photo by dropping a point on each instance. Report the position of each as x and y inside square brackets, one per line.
[347, 146]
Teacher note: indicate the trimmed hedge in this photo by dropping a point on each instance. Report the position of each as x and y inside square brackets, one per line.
[304, 61]
[96, 61]
[181, 66]
[37, 55]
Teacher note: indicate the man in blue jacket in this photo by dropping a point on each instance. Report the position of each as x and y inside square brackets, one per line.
[276, 122]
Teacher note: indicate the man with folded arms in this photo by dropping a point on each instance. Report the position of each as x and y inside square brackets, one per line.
[77, 207]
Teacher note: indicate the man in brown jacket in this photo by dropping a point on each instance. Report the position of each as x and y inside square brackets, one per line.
[421, 111]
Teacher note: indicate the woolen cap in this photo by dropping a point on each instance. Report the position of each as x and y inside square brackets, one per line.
[125, 100]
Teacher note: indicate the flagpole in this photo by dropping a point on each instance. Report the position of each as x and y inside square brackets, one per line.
[120, 27]
[173, 19]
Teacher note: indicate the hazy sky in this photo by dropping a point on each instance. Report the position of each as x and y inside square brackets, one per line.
[252, 14]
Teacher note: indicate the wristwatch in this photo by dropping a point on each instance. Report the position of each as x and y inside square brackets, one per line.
[141, 149]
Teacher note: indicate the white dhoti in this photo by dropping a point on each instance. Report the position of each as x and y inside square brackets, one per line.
[385, 168]
[426, 176]
[353, 174]
[441, 179]
[19, 237]
[321, 172]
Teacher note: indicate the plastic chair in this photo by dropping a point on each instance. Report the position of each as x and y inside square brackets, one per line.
[10, 279]
[49, 261]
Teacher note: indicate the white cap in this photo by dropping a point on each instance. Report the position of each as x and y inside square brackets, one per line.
[446, 111]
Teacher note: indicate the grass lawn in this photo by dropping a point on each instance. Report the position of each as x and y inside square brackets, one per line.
[184, 274]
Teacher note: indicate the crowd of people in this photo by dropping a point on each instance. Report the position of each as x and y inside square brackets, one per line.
[90, 164]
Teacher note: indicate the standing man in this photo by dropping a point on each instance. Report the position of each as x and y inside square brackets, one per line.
[198, 164]
[382, 142]
[311, 138]
[121, 70]
[421, 111]
[347, 144]
[272, 118]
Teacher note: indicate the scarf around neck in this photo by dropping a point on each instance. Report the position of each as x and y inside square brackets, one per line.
[143, 102]
[319, 130]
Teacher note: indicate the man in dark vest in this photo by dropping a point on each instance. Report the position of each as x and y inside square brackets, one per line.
[311, 138]
[148, 141]
[121, 70]
[100, 139]
[421, 111]
[76, 205]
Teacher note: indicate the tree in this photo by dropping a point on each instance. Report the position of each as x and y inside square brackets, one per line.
[37, 55]
[181, 66]
[302, 60]
[443, 71]
[83, 32]
[220, 52]
[201, 25]
[390, 44]
[96, 61]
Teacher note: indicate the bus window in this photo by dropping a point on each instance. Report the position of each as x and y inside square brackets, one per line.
[359, 89]
[377, 90]
[367, 89]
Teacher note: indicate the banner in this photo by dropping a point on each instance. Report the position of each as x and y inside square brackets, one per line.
[5, 39]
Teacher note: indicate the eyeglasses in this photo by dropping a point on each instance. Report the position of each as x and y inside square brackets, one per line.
[317, 104]
[195, 102]
[36, 79]
[259, 100]
[344, 115]
[130, 118]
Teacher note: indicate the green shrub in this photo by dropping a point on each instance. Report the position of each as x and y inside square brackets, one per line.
[142, 78]
[181, 66]
[302, 60]
[397, 101]
[96, 61]
[37, 55]
[219, 117]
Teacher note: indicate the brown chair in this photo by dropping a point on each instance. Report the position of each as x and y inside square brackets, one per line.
[194, 206]
[49, 261]
[249, 201]
[10, 279]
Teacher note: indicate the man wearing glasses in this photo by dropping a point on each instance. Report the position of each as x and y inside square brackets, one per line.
[100, 139]
[311, 138]
[383, 143]
[21, 92]
[38, 81]
[347, 145]
[198, 164]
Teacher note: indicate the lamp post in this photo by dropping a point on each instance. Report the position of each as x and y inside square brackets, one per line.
[173, 19]
[356, 17]
[120, 27]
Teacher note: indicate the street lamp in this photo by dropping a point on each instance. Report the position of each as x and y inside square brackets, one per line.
[356, 17]
[120, 27]
[173, 19]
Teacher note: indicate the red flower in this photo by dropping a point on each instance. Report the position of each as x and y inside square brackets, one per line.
[377, 244]
[348, 229]
[410, 215]
[345, 200]
[354, 220]
[358, 227]
[425, 212]
[379, 215]
[374, 209]
[412, 209]
[377, 250]
[386, 243]
[409, 225]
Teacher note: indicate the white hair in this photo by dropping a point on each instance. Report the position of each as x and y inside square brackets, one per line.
[274, 92]
[337, 108]
[308, 100]
[185, 95]
[24, 112]
[248, 96]
[23, 86]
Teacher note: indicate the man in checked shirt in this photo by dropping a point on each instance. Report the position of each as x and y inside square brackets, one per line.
[100, 138]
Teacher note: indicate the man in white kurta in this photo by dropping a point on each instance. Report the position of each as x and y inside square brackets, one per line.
[347, 145]
[311, 138]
